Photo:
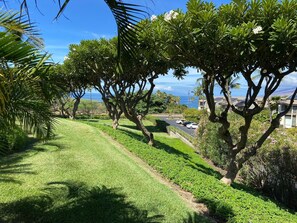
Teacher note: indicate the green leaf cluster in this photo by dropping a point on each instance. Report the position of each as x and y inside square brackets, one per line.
[24, 97]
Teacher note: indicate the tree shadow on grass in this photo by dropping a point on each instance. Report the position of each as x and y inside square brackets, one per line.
[89, 120]
[218, 210]
[8, 170]
[150, 128]
[161, 126]
[197, 218]
[171, 150]
[76, 203]
[11, 164]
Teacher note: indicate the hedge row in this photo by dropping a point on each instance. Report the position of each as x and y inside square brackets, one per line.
[178, 162]
[13, 140]
[160, 124]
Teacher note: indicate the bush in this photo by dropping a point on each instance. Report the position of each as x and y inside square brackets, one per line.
[89, 107]
[193, 114]
[209, 143]
[274, 169]
[175, 109]
[101, 116]
[264, 116]
[13, 140]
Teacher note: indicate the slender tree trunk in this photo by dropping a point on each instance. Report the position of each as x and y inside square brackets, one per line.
[75, 107]
[115, 123]
[147, 134]
[62, 108]
[269, 108]
[62, 111]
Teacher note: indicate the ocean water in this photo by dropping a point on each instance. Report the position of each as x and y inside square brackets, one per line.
[190, 101]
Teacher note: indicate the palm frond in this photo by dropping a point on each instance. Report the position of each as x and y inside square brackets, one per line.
[17, 24]
[127, 16]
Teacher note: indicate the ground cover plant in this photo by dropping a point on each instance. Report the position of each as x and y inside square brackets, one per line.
[179, 163]
[81, 176]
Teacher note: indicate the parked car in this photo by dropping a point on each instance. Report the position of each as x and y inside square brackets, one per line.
[180, 121]
[186, 123]
[192, 125]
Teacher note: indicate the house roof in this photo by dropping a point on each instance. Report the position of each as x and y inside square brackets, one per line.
[287, 101]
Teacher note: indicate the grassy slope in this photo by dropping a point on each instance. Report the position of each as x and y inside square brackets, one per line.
[178, 162]
[81, 154]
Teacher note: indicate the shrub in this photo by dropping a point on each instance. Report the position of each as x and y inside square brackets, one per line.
[264, 116]
[88, 107]
[274, 169]
[13, 140]
[209, 143]
[175, 109]
[98, 116]
[193, 114]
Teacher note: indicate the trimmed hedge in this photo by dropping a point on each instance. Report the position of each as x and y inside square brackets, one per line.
[160, 124]
[12, 141]
[179, 163]
[102, 116]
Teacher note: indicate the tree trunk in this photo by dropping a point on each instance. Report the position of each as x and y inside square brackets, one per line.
[75, 107]
[115, 123]
[231, 174]
[147, 134]
[269, 108]
[62, 111]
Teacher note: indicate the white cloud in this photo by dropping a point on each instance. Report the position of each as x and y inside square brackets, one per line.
[163, 88]
[290, 80]
[97, 35]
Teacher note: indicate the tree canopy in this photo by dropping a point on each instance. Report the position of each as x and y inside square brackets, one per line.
[237, 39]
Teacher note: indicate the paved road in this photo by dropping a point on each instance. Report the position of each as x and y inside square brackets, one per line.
[173, 123]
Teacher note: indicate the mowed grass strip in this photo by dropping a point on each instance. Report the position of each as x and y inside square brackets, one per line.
[179, 163]
[80, 176]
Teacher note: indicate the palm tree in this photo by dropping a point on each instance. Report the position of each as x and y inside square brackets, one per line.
[23, 102]
[232, 84]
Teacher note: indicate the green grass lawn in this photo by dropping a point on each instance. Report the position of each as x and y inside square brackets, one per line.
[80, 176]
[179, 163]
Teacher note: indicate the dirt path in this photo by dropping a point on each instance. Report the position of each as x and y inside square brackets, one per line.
[188, 197]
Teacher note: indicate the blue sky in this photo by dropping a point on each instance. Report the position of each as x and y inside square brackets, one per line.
[91, 19]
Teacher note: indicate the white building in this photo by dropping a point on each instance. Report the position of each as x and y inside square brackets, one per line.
[288, 120]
